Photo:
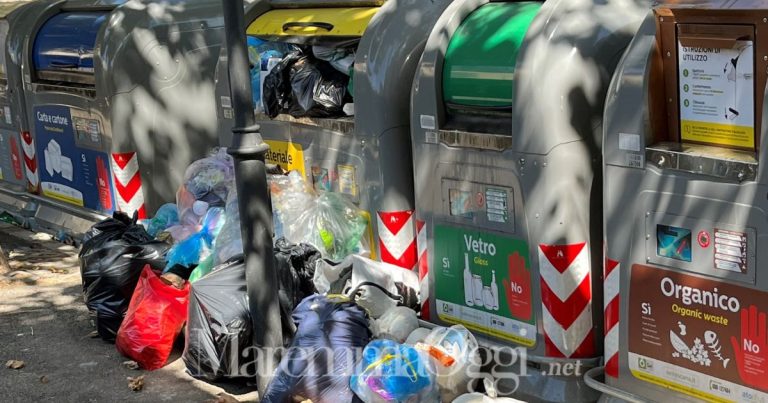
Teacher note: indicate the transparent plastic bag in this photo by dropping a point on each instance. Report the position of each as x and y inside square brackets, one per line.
[454, 353]
[396, 324]
[229, 242]
[207, 183]
[393, 372]
[167, 216]
[197, 247]
[333, 225]
[291, 196]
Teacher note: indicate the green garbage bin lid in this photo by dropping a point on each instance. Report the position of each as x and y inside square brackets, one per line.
[479, 68]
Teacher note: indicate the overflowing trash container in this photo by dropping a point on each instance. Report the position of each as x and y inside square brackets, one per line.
[332, 81]
[118, 99]
[506, 123]
[685, 219]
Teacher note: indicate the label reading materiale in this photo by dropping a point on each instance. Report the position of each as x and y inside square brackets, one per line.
[731, 251]
[483, 281]
[496, 205]
[700, 337]
[289, 156]
[717, 94]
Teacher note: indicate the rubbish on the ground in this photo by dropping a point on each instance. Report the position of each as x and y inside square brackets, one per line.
[417, 336]
[197, 247]
[113, 254]
[329, 337]
[8, 218]
[333, 225]
[136, 384]
[131, 364]
[94, 334]
[229, 242]
[14, 364]
[396, 324]
[342, 59]
[167, 216]
[377, 287]
[154, 319]
[393, 372]
[219, 331]
[454, 353]
[291, 196]
[44, 379]
[295, 266]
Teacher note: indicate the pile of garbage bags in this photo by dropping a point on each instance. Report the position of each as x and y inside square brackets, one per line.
[350, 324]
[309, 82]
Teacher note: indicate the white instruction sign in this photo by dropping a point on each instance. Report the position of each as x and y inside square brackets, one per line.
[717, 99]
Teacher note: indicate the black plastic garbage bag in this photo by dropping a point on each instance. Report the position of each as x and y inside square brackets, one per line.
[329, 340]
[276, 95]
[112, 256]
[219, 330]
[317, 89]
[295, 265]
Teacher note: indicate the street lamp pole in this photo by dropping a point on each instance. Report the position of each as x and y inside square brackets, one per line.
[248, 150]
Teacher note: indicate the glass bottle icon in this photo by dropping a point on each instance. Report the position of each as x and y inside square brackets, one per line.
[469, 297]
[494, 291]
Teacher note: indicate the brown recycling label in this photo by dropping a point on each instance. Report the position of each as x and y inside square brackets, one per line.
[698, 336]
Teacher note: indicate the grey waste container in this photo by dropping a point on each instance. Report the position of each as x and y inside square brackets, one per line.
[119, 98]
[15, 163]
[506, 117]
[365, 156]
[685, 207]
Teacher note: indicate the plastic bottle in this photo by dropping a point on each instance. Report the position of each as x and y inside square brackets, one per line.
[494, 291]
[469, 297]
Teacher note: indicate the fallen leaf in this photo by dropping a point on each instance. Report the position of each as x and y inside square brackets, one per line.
[43, 379]
[14, 364]
[136, 384]
[130, 364]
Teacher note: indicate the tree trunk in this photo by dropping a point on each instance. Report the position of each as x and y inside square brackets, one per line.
[5, 268]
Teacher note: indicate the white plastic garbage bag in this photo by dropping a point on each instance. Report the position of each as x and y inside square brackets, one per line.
[378, 286]
[396, 324]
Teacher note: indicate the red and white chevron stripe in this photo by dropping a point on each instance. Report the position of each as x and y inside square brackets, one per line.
[30, 162]
[566, 296]
[127, 178]
[611, 277]
[16, 159]
[422, 246]
[397, 238]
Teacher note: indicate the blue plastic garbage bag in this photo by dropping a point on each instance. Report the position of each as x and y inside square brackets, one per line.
[329, 340]
[191, 251]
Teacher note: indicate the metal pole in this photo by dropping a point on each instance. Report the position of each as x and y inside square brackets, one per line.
[248, 150]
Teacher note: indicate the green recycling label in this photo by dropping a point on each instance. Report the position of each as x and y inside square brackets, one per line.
[483, 281]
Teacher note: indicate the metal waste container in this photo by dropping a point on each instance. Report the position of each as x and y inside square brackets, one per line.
[685, 207]
[366, 157]
[14, 132]
[119, 98]
[506, 124]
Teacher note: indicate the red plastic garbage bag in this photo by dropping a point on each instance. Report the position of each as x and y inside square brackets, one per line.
[155, 317]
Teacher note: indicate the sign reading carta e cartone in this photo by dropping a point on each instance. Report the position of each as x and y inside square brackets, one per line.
[698, 336]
